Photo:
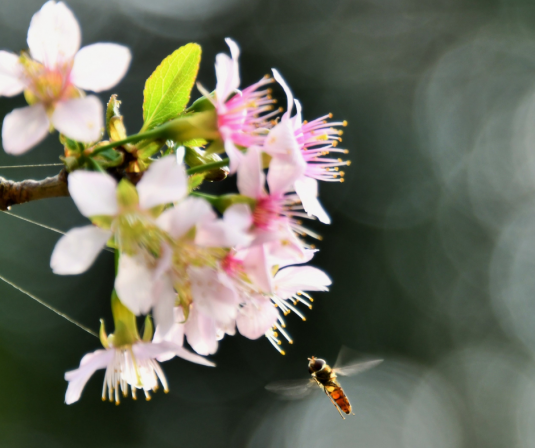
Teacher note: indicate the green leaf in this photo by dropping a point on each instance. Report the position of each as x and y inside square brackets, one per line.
[195, 181]
[167, 91]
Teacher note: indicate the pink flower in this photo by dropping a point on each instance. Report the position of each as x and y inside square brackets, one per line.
[51, 76]
[298, 149]
[276, 215]
[242, 117]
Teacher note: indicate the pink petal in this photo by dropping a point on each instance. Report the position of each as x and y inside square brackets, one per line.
[81, 119]
[11, 74]
[76, 251]
[54, 35]
[23, 128]
[135, 284]
[93, 193]
[227, 72]
[307, 190]
[165, 181]
[287, 90]
[100, 66]
[257, 317]
[78, 378]
[200, 331]
[178, 220]
[257, 267]
[251, 177]
[290, 280]
[212, 295]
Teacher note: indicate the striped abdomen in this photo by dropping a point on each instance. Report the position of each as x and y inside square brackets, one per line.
[338, 395]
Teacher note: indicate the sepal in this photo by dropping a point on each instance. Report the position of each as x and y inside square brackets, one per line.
[125, 324]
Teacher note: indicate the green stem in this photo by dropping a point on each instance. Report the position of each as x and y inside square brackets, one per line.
[208, 166]
[96, 166]
[155, 133]
[208, 197]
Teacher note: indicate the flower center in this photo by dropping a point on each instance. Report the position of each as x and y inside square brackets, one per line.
[267, 212]
[48, 86]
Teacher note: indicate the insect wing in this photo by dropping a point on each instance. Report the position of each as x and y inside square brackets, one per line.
[292, 389]
[359, 367]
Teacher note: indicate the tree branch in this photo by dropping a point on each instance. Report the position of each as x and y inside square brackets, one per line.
[12, 193]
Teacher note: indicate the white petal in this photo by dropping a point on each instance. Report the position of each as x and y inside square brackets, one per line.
[212, 295]
[54, 35]
[290, 280]
[287, 90]
[307, 190]
[200, 331]
[100, 66]
[135, 284]
[227, 72]
[287, 164]
[80, 119]
[251, 177]
[76, 251]
[165, 181]
[178, 220]
[93, 193]
[192, 357]
[256, 318]
[297, 120]
[164, 302]
[230, 231]
[78, 378]
[234, 154]
[257, 268]
[23, 128]
[11, 74]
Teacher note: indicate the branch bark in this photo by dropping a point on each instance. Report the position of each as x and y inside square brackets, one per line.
[12, 193]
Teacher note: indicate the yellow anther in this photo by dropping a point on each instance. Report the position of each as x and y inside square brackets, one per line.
[279, 342]
[335, 144]
[346, 151]
[342, 173]
[304, 319]
[275, 334]
[340, 132]
[330, 115]
[290, 342]
[344, 123]
[342, 179]
[283, 352]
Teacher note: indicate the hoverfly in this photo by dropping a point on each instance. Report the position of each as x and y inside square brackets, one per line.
[325, 377]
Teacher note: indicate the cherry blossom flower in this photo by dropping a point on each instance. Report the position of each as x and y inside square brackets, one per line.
[276, 214]
[242, 116]
[298, 149]
[133, 366]
[133, 225]
[51, 76]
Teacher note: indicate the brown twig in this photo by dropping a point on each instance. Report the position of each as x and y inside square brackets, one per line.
[12, 193]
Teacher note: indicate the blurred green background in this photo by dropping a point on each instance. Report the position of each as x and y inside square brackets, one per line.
[431, 250]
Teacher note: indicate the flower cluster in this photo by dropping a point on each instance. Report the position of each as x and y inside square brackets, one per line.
[202, 266]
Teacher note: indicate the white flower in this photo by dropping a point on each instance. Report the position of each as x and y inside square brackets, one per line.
[133, 366]
[95, 195]
[51, 77]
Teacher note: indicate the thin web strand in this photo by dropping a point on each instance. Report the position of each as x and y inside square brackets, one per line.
[50, 307]
[47, 227]
[30, 166]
